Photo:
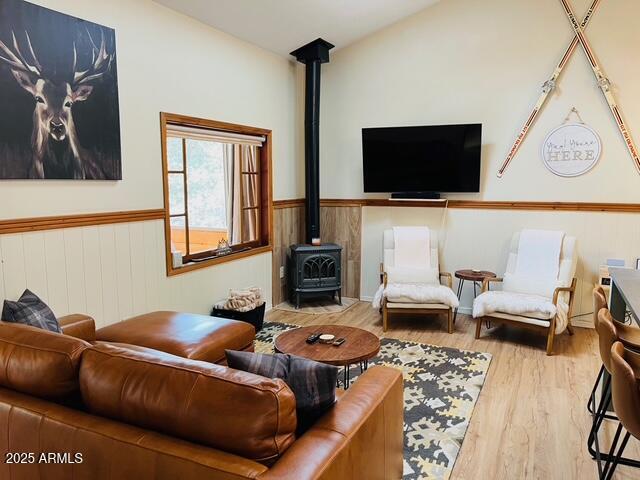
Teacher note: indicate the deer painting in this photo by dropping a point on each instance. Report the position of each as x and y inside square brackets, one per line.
[54, 140]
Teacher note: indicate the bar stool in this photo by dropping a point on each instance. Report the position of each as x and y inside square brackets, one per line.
[625, 390]
[608, 334]
[628, 335]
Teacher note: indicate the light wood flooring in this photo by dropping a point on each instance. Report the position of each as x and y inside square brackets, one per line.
[531, 420]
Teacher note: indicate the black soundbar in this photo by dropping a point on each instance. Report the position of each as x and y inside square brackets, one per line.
[416, 195]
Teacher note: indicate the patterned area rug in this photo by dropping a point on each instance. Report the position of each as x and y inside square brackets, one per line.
[441, 387]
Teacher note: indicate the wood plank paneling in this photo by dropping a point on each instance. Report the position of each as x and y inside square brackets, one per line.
[123, 270]
[338, 224]
[74, 261]
[2, 290]
[93, 273]
[58, 297]
[288, 229]
[106, 235]
[35, 267]
[151, 266]
[112, 272]
[138, 280]
[15, 279]
[343, 225]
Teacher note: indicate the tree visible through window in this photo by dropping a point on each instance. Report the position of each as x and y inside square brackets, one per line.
[214, 190]
[205, 199]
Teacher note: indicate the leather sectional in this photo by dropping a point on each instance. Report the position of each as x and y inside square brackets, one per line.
[148, 398]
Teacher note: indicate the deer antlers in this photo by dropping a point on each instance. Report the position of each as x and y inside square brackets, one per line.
[100, 62]
[16, 60]
[100, 59]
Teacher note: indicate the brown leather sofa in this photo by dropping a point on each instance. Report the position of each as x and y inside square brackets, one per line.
[131, 412]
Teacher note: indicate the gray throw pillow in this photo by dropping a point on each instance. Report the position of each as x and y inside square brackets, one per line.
[30, 310]
[313, 383]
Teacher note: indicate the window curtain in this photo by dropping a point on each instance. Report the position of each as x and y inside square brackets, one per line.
[232, 192]
[249, 154]
[241, 191]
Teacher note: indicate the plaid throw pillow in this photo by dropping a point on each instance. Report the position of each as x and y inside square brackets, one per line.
[312, 383]
[30, 310]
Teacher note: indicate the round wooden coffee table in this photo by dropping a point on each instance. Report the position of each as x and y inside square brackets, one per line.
[359, 346]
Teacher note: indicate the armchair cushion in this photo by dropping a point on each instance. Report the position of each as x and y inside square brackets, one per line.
[528, 285]
[416, 294]
[522, 305]
[526, 305]
[416, 275]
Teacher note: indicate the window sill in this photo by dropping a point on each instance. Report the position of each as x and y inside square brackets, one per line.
[190, 267]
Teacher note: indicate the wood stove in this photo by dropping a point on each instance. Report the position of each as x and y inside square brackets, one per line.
[314, 267]
[314, 271]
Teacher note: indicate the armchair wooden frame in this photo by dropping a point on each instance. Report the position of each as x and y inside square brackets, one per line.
[417, 308]
[516, 320]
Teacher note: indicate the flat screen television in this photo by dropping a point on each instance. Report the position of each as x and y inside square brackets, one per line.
[440, 158]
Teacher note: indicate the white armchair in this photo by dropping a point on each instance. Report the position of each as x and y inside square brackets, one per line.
[418, 292]
[537, 304]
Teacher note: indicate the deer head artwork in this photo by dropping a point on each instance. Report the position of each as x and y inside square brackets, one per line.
[56, 148]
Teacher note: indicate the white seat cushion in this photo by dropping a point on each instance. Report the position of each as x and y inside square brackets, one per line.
[420, 294]
[521, 304]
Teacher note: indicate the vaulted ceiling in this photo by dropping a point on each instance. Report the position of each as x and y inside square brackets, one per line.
[284, 25]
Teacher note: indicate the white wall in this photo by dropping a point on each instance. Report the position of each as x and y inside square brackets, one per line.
[166, 62]
[170, 62]
[467, 61]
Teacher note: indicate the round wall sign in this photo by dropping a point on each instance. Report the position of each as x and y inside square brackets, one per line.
[571, 149]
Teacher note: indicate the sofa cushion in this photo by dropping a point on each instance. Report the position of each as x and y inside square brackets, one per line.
[237, 412]
[30, 310]
[313, 383]
[40, 363]
[198, 337]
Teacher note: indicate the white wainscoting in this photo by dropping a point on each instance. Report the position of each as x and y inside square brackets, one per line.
[113, 272]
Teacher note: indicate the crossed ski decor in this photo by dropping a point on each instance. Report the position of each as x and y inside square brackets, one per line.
[603, 82]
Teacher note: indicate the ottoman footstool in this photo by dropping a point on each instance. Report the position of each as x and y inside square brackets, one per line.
[187, 335]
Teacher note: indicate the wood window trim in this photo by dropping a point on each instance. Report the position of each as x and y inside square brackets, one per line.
[264, 243]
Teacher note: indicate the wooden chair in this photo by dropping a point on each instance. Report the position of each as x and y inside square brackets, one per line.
[608, 333]
[538, 321]
[405, 307]
[625, 392]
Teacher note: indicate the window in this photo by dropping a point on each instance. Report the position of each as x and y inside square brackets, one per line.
[217, 191]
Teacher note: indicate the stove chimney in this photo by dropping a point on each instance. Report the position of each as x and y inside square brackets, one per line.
[312, 55]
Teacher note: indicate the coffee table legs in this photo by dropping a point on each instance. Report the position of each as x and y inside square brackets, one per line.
[346, 370]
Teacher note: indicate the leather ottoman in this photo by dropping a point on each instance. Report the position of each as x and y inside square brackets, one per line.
[187, 335]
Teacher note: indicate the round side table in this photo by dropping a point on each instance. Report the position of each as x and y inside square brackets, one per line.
[475, 276]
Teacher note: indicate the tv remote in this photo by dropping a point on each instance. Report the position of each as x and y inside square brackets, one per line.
[313, 338]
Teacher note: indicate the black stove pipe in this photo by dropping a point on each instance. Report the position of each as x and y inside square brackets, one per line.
[313, 55]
